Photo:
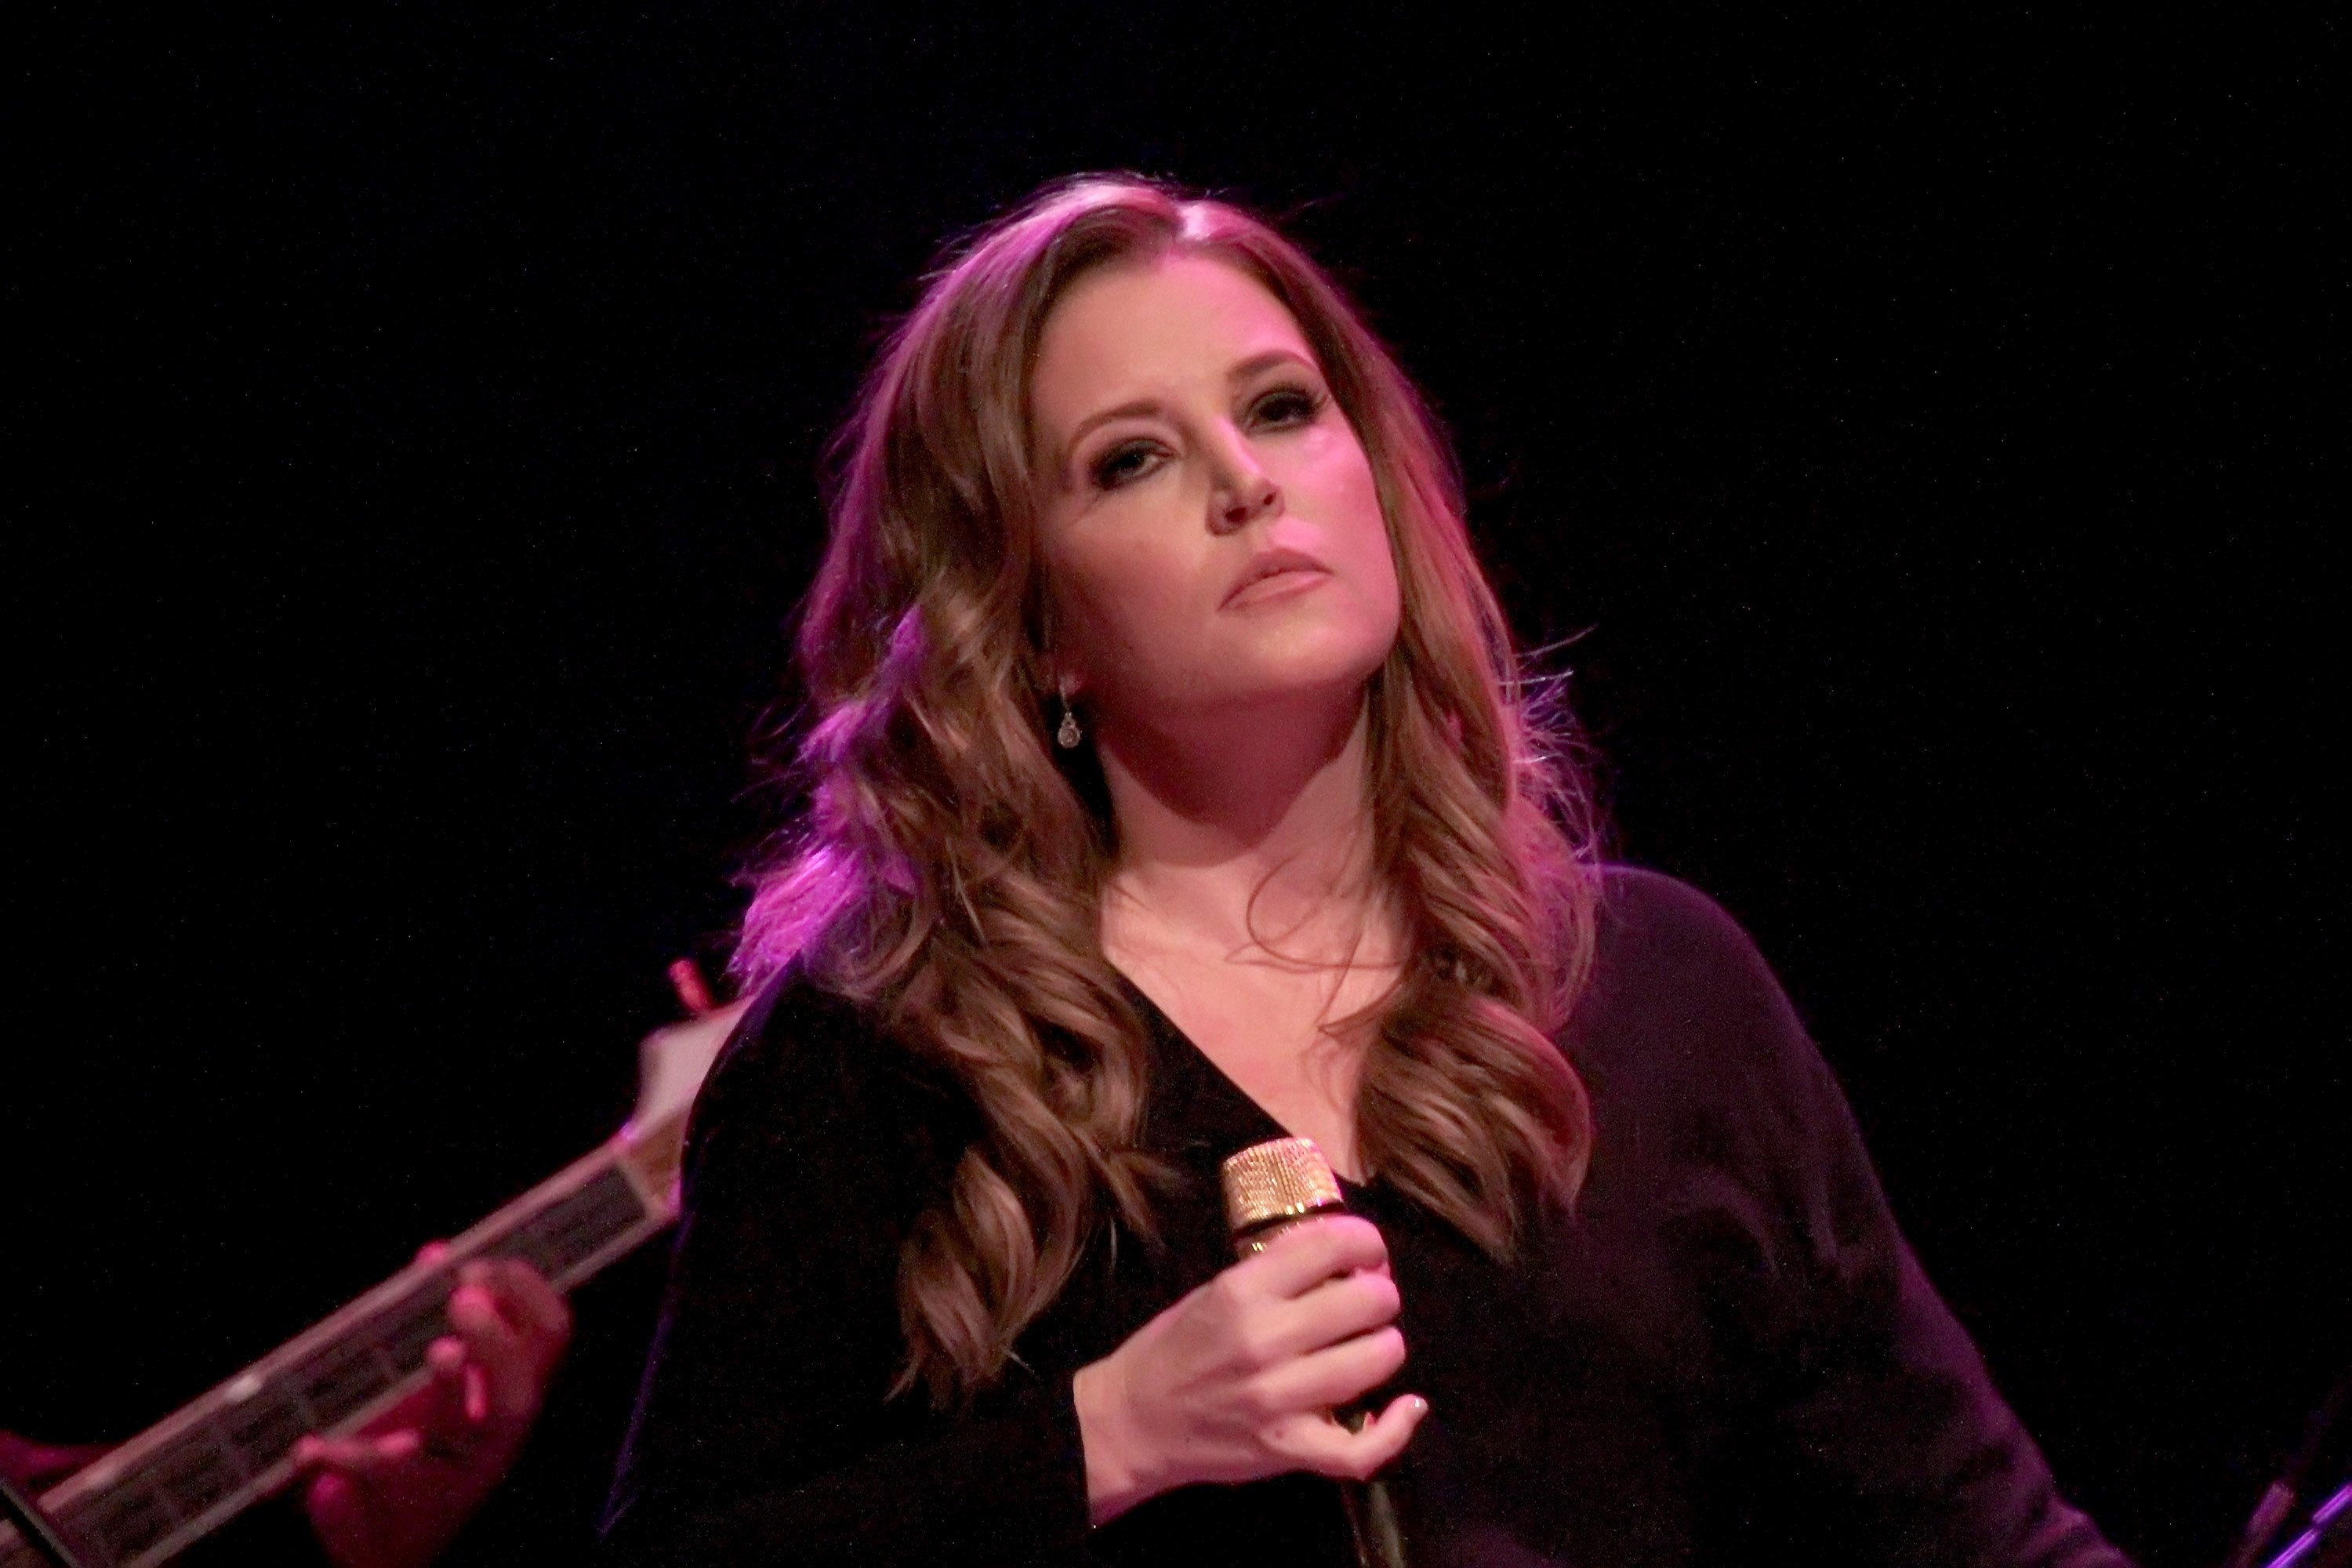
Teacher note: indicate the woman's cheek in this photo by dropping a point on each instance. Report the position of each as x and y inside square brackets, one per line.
[1136, 599]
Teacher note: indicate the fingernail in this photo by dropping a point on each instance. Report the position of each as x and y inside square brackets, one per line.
[1420, 1405]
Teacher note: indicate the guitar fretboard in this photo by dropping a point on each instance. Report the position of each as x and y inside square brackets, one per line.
[190, 1473]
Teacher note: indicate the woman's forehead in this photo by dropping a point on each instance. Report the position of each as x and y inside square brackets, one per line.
[1152, 328]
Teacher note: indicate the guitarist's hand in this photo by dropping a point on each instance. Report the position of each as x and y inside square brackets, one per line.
[37, 1467]
[394, 1494]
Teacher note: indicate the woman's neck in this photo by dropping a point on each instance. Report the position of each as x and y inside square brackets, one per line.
[1249, 840]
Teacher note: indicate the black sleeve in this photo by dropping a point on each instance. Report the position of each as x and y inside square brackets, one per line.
[1878, 1412]
[763, 1431]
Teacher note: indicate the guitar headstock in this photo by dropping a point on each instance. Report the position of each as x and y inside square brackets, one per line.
[673, 1060]
[671, 1065]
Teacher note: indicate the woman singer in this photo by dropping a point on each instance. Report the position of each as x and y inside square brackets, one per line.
[1174, 790]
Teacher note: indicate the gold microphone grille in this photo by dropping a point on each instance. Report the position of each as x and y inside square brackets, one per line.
[1279, 1180]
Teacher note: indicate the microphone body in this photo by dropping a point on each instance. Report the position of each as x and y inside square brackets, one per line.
[1270, 1187]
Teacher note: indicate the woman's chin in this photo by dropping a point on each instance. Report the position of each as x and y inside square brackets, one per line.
[1311, 646]
[1287, 692]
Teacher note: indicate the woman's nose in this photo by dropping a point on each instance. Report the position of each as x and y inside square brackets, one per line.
[1243, 492]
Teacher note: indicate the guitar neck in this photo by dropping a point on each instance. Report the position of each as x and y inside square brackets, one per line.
[193, 1472]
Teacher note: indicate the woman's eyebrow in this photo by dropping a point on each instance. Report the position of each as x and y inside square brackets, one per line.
[1258, 363]
[1132, 410]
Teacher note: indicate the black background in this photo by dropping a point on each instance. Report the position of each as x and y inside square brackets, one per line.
[1920, 432]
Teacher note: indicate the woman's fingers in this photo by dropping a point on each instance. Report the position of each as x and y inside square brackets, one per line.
[1239, 1379]
[1334, 1376]
[1332, 1313]
[1323, 1446]
[1307, 1255]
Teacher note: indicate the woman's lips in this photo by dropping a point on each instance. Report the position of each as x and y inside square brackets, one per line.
[1277, 573]
[1279, 585]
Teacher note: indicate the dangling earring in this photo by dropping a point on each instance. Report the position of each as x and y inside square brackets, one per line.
[1068, 736]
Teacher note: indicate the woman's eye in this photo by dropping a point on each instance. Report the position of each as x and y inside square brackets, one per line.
[1287, 406]
[1130, 461]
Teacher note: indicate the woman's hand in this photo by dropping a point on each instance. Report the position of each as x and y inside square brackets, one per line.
[1238, 1379]
[396, 1494]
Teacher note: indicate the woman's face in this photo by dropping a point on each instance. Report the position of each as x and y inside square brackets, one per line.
[1212, 536]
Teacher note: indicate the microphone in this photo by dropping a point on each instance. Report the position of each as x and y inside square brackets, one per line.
[1270, 1187]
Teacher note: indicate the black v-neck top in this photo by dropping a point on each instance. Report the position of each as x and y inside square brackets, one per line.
[1726, 1354]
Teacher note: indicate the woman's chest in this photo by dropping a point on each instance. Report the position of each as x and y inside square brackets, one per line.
[1290, 1039]
[1576, 1390]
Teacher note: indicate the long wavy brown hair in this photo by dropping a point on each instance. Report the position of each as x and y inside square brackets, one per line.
[950, 869]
